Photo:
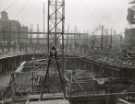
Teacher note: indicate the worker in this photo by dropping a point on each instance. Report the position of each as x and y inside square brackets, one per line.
[53, 52]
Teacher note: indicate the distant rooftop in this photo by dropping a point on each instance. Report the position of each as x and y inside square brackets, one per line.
[4, 15]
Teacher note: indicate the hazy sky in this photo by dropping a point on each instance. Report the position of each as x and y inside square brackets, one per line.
[84, 14]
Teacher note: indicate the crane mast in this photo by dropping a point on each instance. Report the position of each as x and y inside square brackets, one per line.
[56, 22]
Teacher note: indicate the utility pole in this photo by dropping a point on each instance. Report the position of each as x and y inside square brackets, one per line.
[67, 40]
[102, 37]
[106, 39]
[37, 46]
[111, 38]
[44, 23]
[43, 17]
[31, 41]
[75, 37]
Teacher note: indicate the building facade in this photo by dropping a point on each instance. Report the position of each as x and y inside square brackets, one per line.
[130, 30]
[12, 33]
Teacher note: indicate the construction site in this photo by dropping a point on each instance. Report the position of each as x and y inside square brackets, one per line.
[62, 67]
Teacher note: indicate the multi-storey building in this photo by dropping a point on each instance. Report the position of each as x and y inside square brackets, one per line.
[130, 30]
[12, 32]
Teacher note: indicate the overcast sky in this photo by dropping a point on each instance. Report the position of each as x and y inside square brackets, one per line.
[84, 14]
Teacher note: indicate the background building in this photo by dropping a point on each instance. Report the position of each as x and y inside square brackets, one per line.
[129, 46]
[12, 33]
